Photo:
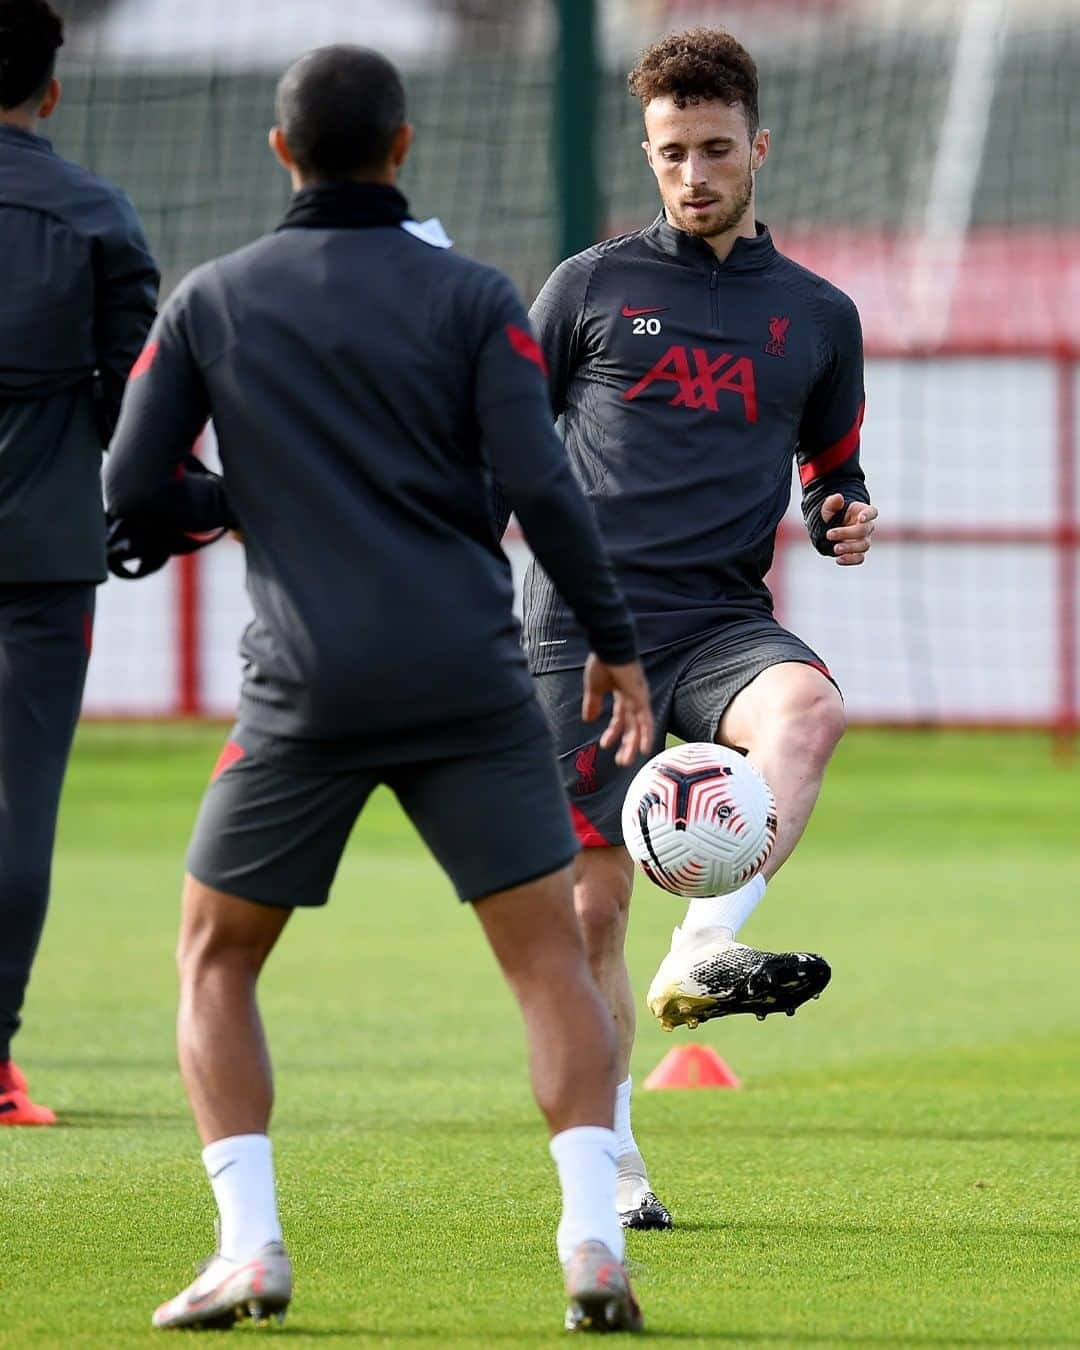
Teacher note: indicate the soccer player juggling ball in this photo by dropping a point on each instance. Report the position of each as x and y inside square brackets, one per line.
[359, 375]
[692, 362]
[78, 291]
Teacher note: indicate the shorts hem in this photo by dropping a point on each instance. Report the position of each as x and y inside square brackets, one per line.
[780, 659]
[589, 844]
[265, 899]
[546, 871]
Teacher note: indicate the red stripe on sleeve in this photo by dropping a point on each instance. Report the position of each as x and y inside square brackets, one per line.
[146, 359]
[527, 346]
[825, 461]
[588, 835]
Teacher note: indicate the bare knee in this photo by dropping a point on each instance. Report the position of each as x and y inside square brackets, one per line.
[812, 721]
[534, 933]
[602, 900]
[826, 722]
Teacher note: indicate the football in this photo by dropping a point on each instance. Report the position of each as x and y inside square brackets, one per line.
[699, 819]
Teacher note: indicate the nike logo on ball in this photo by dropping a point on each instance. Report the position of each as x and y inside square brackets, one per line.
[629, 313]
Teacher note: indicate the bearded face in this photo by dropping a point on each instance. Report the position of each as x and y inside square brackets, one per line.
[704, 161]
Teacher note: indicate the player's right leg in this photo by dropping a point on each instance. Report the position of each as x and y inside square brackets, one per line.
[267, 839]
[533, 932]
[224, 941]
[521, 887]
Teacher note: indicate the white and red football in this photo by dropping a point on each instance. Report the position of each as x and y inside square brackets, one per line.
[699, 819]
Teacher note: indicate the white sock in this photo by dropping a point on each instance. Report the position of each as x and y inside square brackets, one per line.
[624, 1135]
[241, 1172]
[585, 1158]
[631, 1180]
[725, 911]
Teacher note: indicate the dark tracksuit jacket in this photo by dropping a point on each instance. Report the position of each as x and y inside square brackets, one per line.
[363, 384]
[78, 293]
[687, 387]
[78, 290]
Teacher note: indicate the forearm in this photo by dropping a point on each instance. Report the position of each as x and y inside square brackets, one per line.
[189, 500]
[121, 336]
[559, 527]
[531, 476]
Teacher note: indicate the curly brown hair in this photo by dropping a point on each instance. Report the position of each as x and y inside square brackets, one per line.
[702, 63]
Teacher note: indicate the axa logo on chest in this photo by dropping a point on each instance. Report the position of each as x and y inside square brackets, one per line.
[701, 386]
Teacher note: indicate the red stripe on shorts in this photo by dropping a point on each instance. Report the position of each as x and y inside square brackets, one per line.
[588, 835]
[229, 755]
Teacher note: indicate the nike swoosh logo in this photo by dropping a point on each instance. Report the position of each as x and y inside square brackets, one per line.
[629, 313]
[223, 1168]
[194, 1300]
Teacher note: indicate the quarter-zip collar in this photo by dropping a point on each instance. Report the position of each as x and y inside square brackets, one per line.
[747, 255]
[349, 205]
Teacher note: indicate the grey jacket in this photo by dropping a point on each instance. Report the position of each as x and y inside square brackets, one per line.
[688, 387]
[78, 293]
[364, 383]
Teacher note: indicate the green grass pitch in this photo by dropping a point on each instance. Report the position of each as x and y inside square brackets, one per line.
[900, 1168]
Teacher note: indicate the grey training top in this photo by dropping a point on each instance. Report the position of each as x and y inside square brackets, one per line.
[687, 386]
[353, 375]
[78, 290]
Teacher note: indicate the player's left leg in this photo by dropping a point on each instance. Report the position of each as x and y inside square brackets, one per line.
[596, 787]
[789, 720]
[224, 943]
[602, 890]
[44, 647]
[788, 717]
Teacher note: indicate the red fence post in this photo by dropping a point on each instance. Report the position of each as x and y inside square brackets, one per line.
[188, 625]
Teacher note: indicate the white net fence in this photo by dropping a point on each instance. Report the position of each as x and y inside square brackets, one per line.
[924, 158]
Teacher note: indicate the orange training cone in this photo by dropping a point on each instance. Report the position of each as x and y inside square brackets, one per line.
[692, 1066]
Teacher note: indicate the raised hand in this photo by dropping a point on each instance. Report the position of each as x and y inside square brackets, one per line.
[850, 534]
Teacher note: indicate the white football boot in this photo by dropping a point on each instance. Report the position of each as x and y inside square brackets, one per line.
[226, 1292]
[635, 1199]
[598, 1293]
[706, 974]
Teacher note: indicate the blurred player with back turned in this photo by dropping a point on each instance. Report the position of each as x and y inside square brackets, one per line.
[692, 362]
[78, 289]
[354, 368]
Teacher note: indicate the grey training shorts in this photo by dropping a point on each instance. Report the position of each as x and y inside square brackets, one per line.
[691, 684]
[273, 831]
